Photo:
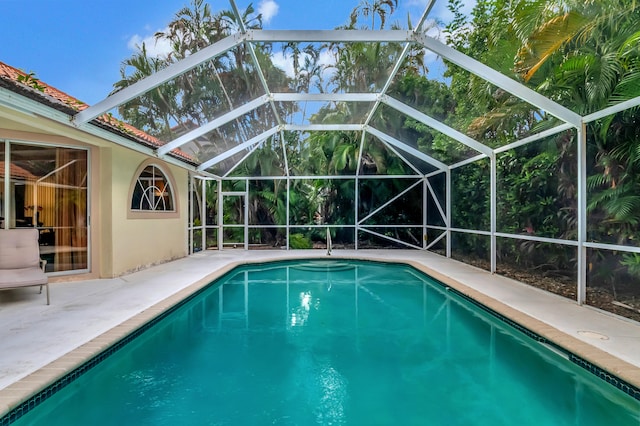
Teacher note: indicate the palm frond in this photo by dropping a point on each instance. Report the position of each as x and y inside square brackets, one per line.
[547, 41]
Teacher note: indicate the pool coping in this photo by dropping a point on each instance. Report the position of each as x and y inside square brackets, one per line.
[24, 394]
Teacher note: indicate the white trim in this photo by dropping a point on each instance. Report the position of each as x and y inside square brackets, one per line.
[21, 104]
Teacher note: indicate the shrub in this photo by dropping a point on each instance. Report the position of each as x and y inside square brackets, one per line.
[299, 241]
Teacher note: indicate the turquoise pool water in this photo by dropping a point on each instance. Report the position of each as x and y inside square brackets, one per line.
[333, 343]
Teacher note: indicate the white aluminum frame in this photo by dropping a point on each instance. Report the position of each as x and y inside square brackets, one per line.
[570, 121]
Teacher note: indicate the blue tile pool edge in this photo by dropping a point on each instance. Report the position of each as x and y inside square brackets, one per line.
[599, 372]
[31, 403]
[14, 414]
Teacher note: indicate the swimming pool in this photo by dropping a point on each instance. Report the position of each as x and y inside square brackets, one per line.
[333, 342]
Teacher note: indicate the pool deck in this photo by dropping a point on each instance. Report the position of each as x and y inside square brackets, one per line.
[40, 343]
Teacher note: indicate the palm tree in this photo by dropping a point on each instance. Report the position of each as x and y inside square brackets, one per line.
[373, 8]
[586, 55]
[192, 29]
[153, 111]
[550, 31]
[219, 85]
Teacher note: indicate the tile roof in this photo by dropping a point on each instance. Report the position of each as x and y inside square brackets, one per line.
[28, 85]
[11, 73]
[16, 172]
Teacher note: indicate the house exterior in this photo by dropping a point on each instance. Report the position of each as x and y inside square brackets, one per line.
[104, 204]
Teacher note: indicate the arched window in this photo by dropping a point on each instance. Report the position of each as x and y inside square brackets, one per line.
[152, 191]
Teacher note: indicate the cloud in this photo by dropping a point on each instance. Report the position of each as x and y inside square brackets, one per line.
[440, 7]
[282, 62]
[285, 63]
[155, 48]
[268, 9]
[439, 12]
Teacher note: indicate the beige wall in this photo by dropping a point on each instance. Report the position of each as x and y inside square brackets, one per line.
[119, 244]
[156, 238]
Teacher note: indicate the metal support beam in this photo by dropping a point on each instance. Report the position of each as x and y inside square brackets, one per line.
[356, 211]
[403, 146]
[254, 58]
[492, 76]
[614, 109]
[448, 218]
[493, 193]
[157, 78]
[284, 153]
[534, 138]
[386, 237]
[468, 161]
[256, 139]
[435, 124]
[388, 202]
[203, 214]
[435, 240]
[435, 199]
[582, 214]
[407, 162]
[399, 61]
[213, 124]
[424, 211]
[344, 36]
[360, 151]
[220, 216]
[288, 214]
[246, 155]
[323, 127]
[246, 231]
[324, 97]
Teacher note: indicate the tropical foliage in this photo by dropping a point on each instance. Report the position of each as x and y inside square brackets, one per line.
[584, 55]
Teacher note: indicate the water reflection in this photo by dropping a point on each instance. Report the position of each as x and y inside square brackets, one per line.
[383, 347]
[300, 314]
[315, 382]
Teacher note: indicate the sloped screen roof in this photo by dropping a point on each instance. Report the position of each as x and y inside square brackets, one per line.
[284, 90]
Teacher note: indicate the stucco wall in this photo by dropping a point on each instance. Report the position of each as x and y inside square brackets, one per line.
[119, 244]
[141, 242]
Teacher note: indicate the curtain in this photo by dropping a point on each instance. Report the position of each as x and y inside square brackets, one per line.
[70, 210]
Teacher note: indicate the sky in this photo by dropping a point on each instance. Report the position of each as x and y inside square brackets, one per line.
[77, 46]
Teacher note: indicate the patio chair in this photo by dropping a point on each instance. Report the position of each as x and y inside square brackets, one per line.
[20, 263]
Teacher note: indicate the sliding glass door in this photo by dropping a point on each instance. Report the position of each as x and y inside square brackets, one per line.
[46, 187]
